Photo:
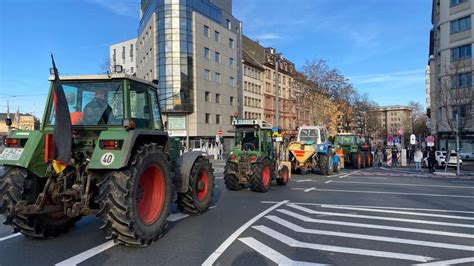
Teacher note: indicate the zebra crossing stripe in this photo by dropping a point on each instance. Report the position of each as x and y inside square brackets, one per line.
[448, 262]
[310, 211]
[398, 212]
[300, 229]
[272, 254]
[390, 193]
[357, 251]
[374, 226]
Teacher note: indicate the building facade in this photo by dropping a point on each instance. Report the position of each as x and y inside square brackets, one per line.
[125, 55]
[450, 91]
[253, 82]
[19, 121]
[393, 120]
[194, 49]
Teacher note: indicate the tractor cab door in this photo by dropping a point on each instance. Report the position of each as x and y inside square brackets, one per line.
[267, 142]
[140, 107]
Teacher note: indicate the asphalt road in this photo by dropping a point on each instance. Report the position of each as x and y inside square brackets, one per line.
[366, 217]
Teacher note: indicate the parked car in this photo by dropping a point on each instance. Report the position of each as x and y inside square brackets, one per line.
[441, 159]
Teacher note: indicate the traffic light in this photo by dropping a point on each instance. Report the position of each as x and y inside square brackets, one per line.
[428, 112]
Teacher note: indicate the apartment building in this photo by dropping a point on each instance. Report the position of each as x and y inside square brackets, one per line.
[450, 65]
[194, 49]
[393, 119]
[253, 81]
[124, 54]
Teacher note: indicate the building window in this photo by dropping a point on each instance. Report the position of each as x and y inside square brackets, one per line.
[207, 74]
[232, 101]
[131, 52]
[218, 119]
[217, 36]
[463, 80]
[217, 78]
[232, 119]
[208, 118]
[461, 24]
[231, 62]
[206, 53]
[206, 31]
[229, 24]
[218, 98]
[231, 82]
[457, 2]
[207, 96]
[231, 43]
[131, 70]
[462, 110]
[460, 53]
[217, 57]
[115, 55]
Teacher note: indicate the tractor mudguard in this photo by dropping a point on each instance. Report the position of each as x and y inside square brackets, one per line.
[118, 158]
[182, 170]
[324, 148]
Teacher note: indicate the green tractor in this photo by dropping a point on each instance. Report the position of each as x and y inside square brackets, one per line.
[254, 158]
[355, 149]
[123, 167]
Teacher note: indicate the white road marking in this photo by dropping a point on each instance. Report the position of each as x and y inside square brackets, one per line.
[398, 212]
[309, 189]
[87, 254]
[448, 262]
[368, 177]
[304, 180]
[374, 226]
[391, 193]
[365, 252]
[272, 254]
[219, 178]
[179, 215]
[401, 184]
[373, 207]
[9, 236]
[348, 174]
[218, 252]
[300, 229]
[327, 182]
[310, 211]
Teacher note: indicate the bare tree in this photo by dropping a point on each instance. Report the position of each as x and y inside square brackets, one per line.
[106, 66]
[419, 119]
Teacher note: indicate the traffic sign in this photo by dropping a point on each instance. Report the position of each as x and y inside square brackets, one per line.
[219, 132]
[400, 132]
[430, 141]
[389, 138]
[397, 140]
[412, 139]
[274, 129]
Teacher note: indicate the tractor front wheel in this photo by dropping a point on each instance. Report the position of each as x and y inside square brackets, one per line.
[283, 176]
[201, 188]
[261, 176]
[136, 201]
[326, 164]
[231, 176]
[17, 185]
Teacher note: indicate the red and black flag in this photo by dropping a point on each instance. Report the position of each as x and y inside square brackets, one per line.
[62, 134]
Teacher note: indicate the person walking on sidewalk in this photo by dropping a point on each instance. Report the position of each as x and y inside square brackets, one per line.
[431, 159]
[418, 157]
[394, 157]
[379, 154]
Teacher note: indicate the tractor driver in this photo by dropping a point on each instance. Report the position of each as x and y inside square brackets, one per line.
[250, 141]
[98, 111]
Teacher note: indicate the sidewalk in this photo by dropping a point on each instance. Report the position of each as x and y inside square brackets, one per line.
[451, 172]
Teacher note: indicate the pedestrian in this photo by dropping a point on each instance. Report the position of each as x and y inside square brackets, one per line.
[379, 157]
[431, 159]
[418, 157]
[394, 157]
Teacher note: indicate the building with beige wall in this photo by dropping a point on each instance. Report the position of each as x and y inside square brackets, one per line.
[450, 69]
[393, 119]
[253, 81]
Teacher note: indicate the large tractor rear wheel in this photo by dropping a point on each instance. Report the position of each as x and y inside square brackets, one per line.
[201, 188]
[356, 160]
[231, 176]
[261, 177]
[19, 185]
[326, 164]
[283, 176]
[136, 201]
[370, 159]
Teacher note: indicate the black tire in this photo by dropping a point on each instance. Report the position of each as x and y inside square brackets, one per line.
[355, 161]
[283, 176]
[123, 199]
[231, 176]
[261, 180]
[326, 164]
[19, 185]
[364, 160]
[198, 198]
[370, 160]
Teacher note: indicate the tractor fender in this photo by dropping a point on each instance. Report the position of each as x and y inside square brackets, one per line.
[324, 148]
[182, 170]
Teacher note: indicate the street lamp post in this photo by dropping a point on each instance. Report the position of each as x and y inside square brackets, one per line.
[277, 89]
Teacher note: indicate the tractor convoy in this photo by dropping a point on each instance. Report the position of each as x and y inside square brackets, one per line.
[102, 150]
[355, 149]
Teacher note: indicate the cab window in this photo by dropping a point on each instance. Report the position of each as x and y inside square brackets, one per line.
[139, 105]
[156, 110]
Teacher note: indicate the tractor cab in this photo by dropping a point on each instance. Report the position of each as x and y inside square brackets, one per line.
[252, 137]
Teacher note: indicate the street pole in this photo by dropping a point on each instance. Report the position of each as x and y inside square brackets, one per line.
[457, 144]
